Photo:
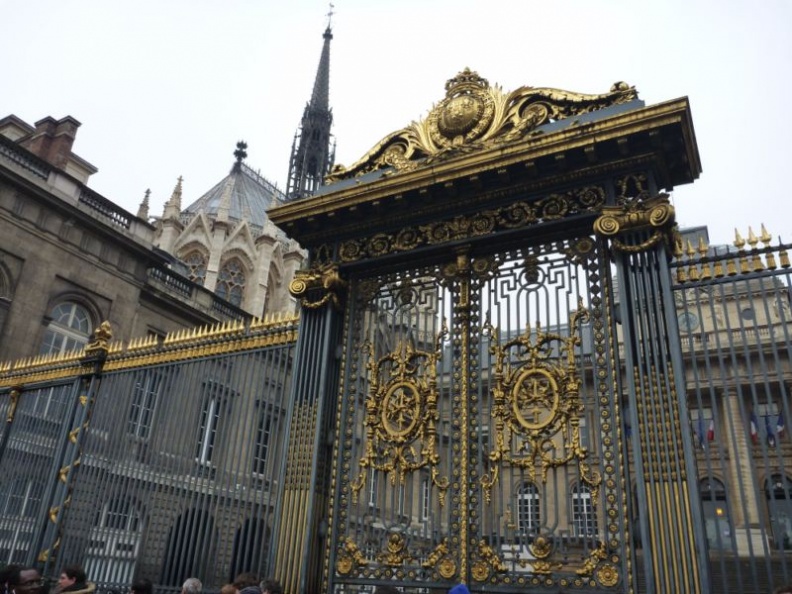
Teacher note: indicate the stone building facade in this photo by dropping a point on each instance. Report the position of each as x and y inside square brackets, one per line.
[71, 259]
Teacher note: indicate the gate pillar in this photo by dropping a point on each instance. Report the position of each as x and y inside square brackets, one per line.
[303, 496]
[642, 233]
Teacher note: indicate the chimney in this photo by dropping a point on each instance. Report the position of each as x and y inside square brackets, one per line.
[52, 140]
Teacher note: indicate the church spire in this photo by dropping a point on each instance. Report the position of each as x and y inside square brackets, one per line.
[312, 156]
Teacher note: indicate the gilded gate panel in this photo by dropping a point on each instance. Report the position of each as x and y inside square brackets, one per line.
[480, 424]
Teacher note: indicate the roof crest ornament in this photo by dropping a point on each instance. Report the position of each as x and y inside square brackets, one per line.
[474, 116]
[240, 154]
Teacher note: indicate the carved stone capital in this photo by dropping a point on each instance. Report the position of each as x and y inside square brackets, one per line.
[319, 285]
[654, 213]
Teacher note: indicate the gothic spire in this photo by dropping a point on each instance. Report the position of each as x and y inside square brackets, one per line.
[143, 209]
[312, 156]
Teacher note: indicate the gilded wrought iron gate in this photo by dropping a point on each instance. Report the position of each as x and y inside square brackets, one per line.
[479, 396]
[485, 352]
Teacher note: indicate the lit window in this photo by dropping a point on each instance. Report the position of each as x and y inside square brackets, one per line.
[196, 266]
[372, 489]
[528, 508]
[210, 417]
[69, 329]
[231, 282]
[584, 520]
[426, 501]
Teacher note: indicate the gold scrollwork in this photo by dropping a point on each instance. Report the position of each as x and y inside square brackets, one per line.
[608, 575]
[534, 398]
[12, 406]
[590, 564]
[487, 563]
[349, 558]
[401, 411]
[542, 548]
[396, 552]
[464, 227]
[653, 213]
[439, 558]
[101, 341]
[322, 279]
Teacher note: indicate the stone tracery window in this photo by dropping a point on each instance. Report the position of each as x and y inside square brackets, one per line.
[231, 282]
[196, 265]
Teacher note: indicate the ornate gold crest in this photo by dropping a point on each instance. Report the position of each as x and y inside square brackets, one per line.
[473, 116]
[402, 415]
[535, 397]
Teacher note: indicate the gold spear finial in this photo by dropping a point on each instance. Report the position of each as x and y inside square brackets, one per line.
[739, 242]
[752, 239]
[765, 238]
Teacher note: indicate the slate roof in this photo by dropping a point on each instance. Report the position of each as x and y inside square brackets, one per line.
[252, 195]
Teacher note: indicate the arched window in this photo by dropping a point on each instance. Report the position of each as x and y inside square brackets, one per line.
[231, 282]
[778, 489]
[189, 548]
[714, 503]
[69, 329]
[115, 542]
[584, 517]
[528, 515]
[20, 500]
[251, 547]
[196, 266]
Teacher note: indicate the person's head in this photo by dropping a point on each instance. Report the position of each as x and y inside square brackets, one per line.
[783, 589]
[192, 586]
[245, 580]
[70, 575]
[229, 589]
[271, 587]
[142, 586]
[27, 580]
[459, 589]
[8, 575]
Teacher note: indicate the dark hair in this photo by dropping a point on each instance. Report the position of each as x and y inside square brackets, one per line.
[75, 572]
[271, 586]
[243, 580]
[142, 586]
[9, 575]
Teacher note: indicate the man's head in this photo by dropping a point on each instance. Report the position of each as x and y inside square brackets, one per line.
[142, 586]
[192, 586]
[70, 575]
[245, 580]
[271, 587]
[27, 581]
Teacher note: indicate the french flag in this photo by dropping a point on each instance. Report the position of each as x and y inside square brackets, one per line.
[754, 429]
[711, 430]
[771, 440]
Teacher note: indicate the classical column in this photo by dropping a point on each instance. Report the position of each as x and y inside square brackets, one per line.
[641, 232]
[303, 497]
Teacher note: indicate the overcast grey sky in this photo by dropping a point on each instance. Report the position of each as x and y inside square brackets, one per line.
[167, 87]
